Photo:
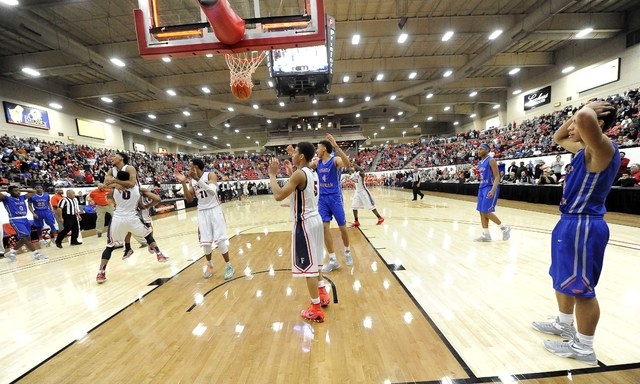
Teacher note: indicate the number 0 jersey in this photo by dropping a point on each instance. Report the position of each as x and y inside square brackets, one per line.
[127, 200]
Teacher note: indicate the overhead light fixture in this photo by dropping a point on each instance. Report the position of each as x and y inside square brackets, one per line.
[189, 142]
[110, 120]
[584, 32]
[55, 105]
[447, 108]
[248, 137]
[495, 34]
[382, 128]
[402, 38]
[281, 103]
[447, 73]
[236, 130]
[496, 106]
[315, 113]
[256, 106]
[146, 130]
[228, 145]
[205, 90]
[226, 124]
[166, 59]
[270, 83]
[517, 91]
[393, 97]
[230, 109]
[199, 133]
[268, 121]
[257, 142]
[473, 94]
[413, 75]
[169, 137]
[514, 71]
[177, 125]
[400, 113]
[171, 92]
[117, 62]
[106, 99]
[215, 137]
[31, 72]
[151, 116]
[355, 39]
[455, 123]
[379, 76]
[430, 118]
[367, 98]
[472, 115]
[357, 115]
[429, 95]
[186, 113]
[209, 55]
[340, 100]
[447, 36]
[9, 2]
[204, 146]
[568, 69]
[314, 101]
[345, 79]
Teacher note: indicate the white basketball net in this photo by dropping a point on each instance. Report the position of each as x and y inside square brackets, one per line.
[242, 66]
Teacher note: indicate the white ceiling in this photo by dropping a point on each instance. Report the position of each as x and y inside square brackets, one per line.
[70, 41]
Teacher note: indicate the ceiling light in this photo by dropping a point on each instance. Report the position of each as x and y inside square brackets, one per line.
[430, 118]
[514, 71]
[382, 128]
[473, 94]
[472, 115]
[341, 99]
[447, 73]
[315, 113]
[447, 108]
[517, 91]
[106, 99]
[209, 55]
[345, 78]
[226, 124]
[455, 123]
[236, 130]
[367, 98]
[151, 116]
[447, 36]
[495, 34]
[393, 97]
[171, 92]
[110, 120]
[215, 137]
[257, 142]
[199, 133]
[166, 59]
[375, 133]
[30, 71]
[230, 109]
[413, 75]
[380, 76]
[568, 69]
[391, 120]
[248, 137]
[281, 103]
[429, 95]
[314, 101]
[205, 90]
[270, 83]
[9, 2]
[146, 130]
[177, 125]
[55, 105]
[584, 32]
[204, 146]
[186, 113]
[402, 38]
[357, 115]
[268, 121]
[355, 39]
[189, 142]
[228, 145]
[415, 125]
[256, 106]
[169, 137]
[496, 106]
[400, 113]
[118, 62]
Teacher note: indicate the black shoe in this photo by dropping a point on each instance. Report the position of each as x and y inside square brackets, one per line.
[100, 234]
[76, 243]
[58, 245]
[421, 197]
[413, 199]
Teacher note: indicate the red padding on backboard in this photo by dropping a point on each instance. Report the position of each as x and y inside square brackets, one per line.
[226, 24]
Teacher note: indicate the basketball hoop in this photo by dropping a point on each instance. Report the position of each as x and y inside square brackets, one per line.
[241, 66]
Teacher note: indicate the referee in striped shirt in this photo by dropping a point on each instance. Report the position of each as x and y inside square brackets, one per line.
[69, 212]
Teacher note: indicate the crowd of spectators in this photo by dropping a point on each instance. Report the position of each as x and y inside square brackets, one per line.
[31, 161]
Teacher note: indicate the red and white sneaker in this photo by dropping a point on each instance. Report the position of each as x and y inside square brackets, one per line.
[313, 313]
[355, 224]
[324, 298]
[380, 220]
[101, 278]
[161, 257]
[207, 271]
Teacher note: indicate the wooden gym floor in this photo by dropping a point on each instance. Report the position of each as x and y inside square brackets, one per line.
[422, 303]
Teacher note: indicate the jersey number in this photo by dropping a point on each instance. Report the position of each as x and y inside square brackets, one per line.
[315, 188]
[126, 195]
[203, 194]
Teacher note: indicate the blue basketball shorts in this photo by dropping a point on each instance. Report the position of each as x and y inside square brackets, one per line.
[330, 206]
[487, 204]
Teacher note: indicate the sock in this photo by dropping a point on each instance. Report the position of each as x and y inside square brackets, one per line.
[585, 341]
[320, 284]
[503, 226]
[347, 250]
[210, 263]
[485, 232]
[315, 301]
[332, 257]
[565, 318]
[228, 263]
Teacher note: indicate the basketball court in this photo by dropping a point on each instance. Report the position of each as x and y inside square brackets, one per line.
[422, 303]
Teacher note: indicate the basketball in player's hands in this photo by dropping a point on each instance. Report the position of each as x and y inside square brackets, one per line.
[241, 91]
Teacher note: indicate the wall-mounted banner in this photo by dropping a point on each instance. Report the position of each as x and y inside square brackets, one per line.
[25, 115]
[537, 98]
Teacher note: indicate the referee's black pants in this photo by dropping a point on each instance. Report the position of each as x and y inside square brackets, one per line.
[70, 223]
[416, 192]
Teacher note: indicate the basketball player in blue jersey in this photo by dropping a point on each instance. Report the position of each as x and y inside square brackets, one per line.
[362, 197]
[40, 207]
[307, 233]
[579, 239]
[16, 206]
[123, 180]
[212, 226]
[488, 193]
[330, 203]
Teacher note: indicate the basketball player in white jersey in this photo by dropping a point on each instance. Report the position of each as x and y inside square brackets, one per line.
[212, 227]
[307, 234]
[362, 197]
[126, 193]
[147, 200]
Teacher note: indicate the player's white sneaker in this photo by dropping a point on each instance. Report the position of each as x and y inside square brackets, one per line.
[506, 232]
[11, 255]
[347, 255]
[333, 264]
[483, 238]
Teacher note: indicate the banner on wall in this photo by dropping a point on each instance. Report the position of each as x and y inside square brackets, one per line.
[24, 115]
[535, 99]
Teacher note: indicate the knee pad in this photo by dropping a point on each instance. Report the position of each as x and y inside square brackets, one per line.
[206, 248]
[223, 246]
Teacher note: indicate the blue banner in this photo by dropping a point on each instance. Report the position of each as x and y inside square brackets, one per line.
[25, 115]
